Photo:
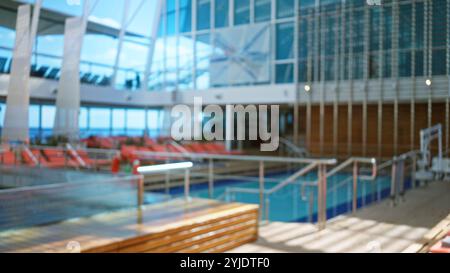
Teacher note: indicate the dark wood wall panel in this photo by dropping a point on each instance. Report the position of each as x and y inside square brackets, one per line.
[388, 145]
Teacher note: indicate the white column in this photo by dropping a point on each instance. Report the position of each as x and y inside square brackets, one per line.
[16, 126]
[68, 97]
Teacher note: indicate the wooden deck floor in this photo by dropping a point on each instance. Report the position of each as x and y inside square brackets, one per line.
[378, 228]
[176, 226]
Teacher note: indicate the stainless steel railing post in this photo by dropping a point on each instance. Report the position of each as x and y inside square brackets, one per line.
[322, 197]
[187, 182]
[167, 179]
[355, 187]
[261, 188]
[267, 209]
[211, 178]
[413, 172]
[311, 206]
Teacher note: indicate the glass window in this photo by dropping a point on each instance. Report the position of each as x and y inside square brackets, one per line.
[439, 62]
[133, 59]
[241, 12]
[203, 14]
[34, 116]
[285, 8]
[135, 119]
[156, 77]
[141, 23]
[404, 64]
[7, 37]
[171, 53]
[262, 10]
[99, 118]
[419, 63]
[170, 17]
[375, 29]
[152, 119]
[405, 29]
[118, 121]
[185, 15]
[419, 25]
[48, 116]
[185, 62]
[302, 71]
[83, 118]
[439, 26]
[221, 13]
[204, 50]
[284, 73]
[284, 41]
[2, 113]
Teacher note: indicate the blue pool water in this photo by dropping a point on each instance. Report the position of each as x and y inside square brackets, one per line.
[289, 205]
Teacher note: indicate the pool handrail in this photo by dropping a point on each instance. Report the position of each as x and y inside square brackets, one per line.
[321, 183]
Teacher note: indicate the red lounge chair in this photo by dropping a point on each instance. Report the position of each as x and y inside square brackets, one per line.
[106, 143]
[57, 159]
[92, 162]
[8, 158]
[149, 141]
[128, 152]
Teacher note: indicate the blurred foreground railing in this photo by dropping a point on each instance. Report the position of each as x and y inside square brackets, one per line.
[33, 196]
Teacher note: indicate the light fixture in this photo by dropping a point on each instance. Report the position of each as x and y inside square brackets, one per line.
[428, 82]
[307, 88]
[164, 167]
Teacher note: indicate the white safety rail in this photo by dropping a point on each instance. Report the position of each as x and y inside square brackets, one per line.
[164, 168]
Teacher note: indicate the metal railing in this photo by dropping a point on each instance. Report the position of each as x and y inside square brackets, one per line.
[210, 159]
[293, 149]
[70, 162]
[163, 168]
[399, 166]
[321, 184]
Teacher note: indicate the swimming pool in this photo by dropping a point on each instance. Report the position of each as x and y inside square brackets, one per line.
[290, 205]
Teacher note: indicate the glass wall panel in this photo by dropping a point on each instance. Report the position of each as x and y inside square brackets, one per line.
[439, 62]
[135, 121]
[221, 13]
[34, 116]
[285, 41]
[48, 116]
[99, 118]
[83, 118]
[156, 78]
[133, 59]
[118, 121]
[2, 114]
[141, 17]
[185, 62]
[204, 50]
[170, 17]
[284, 73]
[241, 12]
[171, 56]
[285, 8]
[263, 10]
[185, 15]
[203, 14]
